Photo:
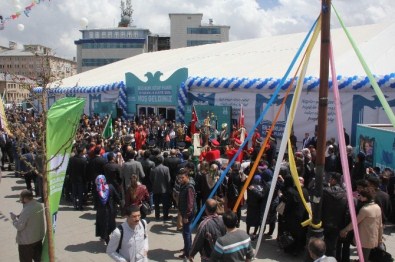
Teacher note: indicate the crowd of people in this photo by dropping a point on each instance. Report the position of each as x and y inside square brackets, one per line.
[151, 164]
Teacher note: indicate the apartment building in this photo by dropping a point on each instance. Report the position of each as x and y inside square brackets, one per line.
[188, 30]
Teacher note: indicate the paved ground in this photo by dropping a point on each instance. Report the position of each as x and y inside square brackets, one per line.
[75, 236]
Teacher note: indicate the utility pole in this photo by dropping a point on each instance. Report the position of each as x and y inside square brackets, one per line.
[316, 199]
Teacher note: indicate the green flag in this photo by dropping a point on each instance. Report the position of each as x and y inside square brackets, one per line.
[62, 122]
[107, 132]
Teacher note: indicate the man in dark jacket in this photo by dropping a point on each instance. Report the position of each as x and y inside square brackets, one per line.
[186, 207]
[211, 228]
[380, 198]
[160, 179]
[334, 208]
[76, 170]
[112, 172]
[147, 165]
[172, 163]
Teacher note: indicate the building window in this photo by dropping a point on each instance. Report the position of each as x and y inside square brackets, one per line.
[109, 34]
[122, 35]
[93, 62]
[201, 42]
[111, 45]
[97, 34]
[104, 34]
[204, 30]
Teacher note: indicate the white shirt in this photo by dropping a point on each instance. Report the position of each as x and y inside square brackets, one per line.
[134, 244]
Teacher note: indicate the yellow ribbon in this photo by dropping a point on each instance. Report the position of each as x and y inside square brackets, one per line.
[292, 164]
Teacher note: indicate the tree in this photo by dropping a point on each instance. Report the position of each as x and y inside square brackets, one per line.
[31, 132]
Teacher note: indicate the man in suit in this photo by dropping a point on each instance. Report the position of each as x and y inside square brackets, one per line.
[161, 187]
[76, 170]
[131, 166]
[172, 163]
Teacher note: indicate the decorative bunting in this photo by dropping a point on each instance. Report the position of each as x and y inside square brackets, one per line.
[16, 15]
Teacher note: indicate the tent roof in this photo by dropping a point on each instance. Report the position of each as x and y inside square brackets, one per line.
[254, 58]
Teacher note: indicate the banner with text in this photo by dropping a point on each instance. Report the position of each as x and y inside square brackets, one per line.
[358, 108]
[62, 122]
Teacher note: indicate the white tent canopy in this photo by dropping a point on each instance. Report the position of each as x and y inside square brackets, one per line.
[253, 58]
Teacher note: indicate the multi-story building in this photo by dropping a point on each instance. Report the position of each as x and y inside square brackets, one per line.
[188, 30]
[15, 89]
[35, 61]
[100, 47]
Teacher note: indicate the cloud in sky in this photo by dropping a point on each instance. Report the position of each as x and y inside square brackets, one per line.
[56, 23]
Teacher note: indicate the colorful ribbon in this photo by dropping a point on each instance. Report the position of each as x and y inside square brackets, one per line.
[288, 125]
[343, 154]
[369, 74]
[270, 102]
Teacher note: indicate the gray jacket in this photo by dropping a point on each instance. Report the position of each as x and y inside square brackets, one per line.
[131, 167]
[160, 179]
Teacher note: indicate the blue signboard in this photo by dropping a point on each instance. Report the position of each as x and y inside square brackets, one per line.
[154, 91]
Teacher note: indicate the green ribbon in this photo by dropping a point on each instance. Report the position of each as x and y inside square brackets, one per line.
[372, 80]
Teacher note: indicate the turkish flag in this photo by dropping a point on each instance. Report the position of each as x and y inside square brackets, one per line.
[241, 116]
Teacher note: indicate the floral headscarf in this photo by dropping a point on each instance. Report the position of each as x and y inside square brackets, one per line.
[102, 189]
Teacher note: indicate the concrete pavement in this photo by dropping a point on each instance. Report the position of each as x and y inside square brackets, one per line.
[75, 233]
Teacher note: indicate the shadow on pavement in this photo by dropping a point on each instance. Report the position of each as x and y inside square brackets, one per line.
[20, 182]
[4, 217]
[161, 255]
[164, 229]
[12, 196]
[269, 249]
[94, 247]
[18, 188]
[88, 216]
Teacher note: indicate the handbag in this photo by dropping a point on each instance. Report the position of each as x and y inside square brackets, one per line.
[380, 255]
[280, 208]
[145, 208]
[285, 240]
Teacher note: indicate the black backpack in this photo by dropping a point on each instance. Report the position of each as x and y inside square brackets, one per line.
[121, 230]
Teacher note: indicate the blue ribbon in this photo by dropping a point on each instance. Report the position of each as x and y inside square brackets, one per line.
[278, 89]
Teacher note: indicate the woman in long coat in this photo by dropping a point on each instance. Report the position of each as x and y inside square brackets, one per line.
[255, 195]
[107, 197]
[370, 224]
[294, 214]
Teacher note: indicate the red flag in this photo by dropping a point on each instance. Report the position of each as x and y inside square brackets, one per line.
[241, 117]
[193, 121]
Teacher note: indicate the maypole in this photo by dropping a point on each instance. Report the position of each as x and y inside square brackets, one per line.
[315, 229]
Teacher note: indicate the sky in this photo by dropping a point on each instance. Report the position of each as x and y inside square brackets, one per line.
[56, 23]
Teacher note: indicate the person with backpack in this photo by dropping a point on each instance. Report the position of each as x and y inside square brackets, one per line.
[129, 241]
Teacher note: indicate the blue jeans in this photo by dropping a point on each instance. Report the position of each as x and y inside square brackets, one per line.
[187, 236]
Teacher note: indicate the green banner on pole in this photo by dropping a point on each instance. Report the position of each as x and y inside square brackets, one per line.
[62, 122]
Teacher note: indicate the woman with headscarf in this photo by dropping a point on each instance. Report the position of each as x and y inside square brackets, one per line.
[235, 183]
[107, 197]
[210, 175]
[255, 195]
[294, 214]
[136, 194]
